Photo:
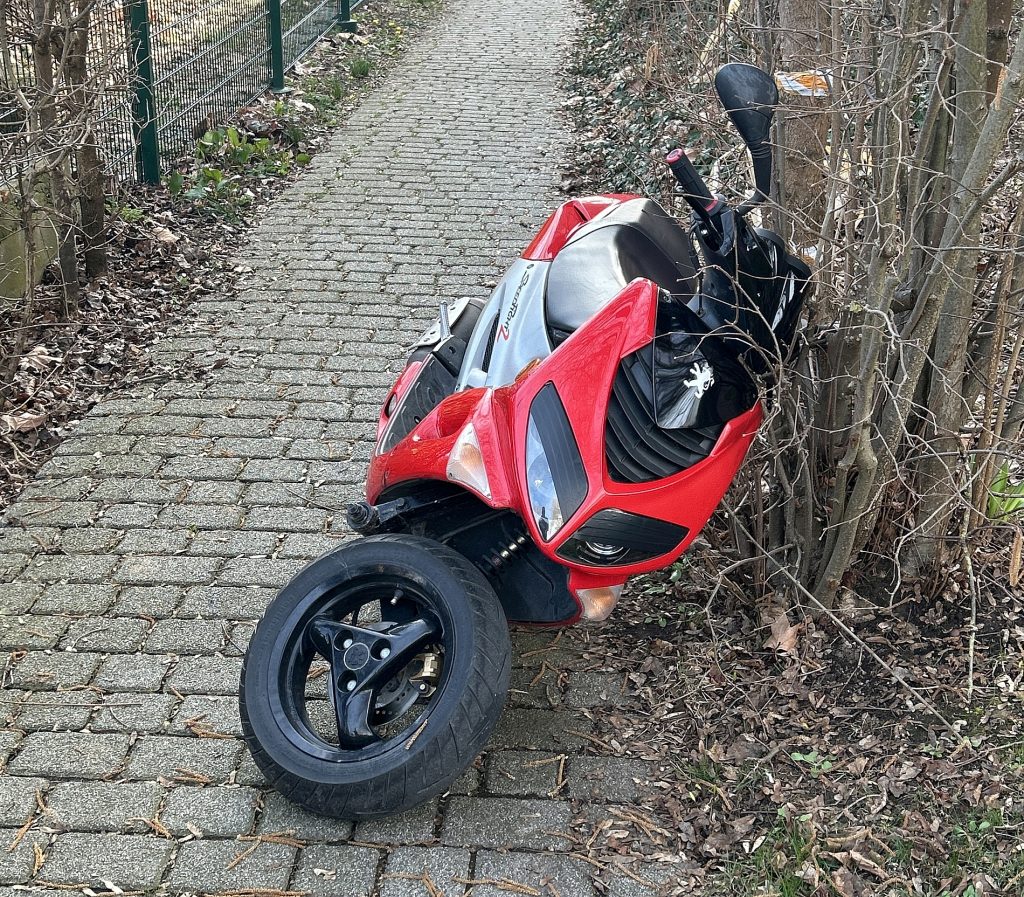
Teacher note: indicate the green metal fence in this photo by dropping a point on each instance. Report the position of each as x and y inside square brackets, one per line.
[109, 95]
[195, 63]
[167, 71]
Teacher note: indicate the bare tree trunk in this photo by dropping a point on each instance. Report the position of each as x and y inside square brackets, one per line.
[946, 410]
[92, 202]
[804, 42]
[997, 42]
[54, 156]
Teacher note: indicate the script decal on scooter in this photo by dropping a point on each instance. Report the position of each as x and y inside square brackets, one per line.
[503, 332]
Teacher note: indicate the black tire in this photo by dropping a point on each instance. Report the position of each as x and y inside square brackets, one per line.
[424, 759]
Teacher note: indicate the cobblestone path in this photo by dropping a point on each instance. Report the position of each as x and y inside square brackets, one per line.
[133, 569]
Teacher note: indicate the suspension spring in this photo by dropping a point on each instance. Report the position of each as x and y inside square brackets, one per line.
[505, 554]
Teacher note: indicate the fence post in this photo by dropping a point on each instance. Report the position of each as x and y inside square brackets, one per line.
[345, 22]
[276, 39]
[147, 145]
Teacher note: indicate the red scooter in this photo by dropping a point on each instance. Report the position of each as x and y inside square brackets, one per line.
[577, 428]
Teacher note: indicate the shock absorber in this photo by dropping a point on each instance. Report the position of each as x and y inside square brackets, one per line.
[506, 552]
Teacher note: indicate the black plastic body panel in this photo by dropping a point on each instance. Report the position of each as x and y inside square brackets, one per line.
[636, 537]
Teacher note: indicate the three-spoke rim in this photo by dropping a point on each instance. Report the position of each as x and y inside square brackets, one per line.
[369, 664]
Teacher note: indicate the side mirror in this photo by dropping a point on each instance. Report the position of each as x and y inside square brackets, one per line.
[749, 97]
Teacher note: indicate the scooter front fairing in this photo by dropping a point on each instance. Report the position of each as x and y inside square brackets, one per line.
[541, 448]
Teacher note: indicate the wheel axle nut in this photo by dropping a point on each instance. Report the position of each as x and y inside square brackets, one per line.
[350, 685]
[385, 653]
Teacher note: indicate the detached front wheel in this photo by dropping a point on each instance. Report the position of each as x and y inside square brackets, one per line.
[375, 677]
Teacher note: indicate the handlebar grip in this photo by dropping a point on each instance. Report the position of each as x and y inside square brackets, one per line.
[695, 190]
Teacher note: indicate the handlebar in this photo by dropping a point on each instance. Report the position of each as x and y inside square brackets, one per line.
[694, 190]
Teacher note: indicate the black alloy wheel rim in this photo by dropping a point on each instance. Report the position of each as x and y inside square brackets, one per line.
[369, 665]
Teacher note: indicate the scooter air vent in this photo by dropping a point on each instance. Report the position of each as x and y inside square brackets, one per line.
[636, 448]
[614, 538]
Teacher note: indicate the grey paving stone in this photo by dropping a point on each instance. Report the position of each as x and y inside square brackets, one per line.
[79, 569]
[153, 541]
[64, 513]
[202, 866]
[531, 648]
[570, 877]
[8, 742]
[18, 857]
[248, 773]
[130, 862]
[228, 602]
[126, 515]
[120, 635]
[523, 773]
[212, 675]
[505, 822]
[28, 633]
[291, 520]
[219, 812]
[103, 806]
[646, 880]
[214, 492]
[94, 540]
[258, 571]
[280, 815]
[346, 871]
[27, 540]
[18, 597]
[132, 712]
[54, 711]
[409, 870]
[270, 494]
[229, 544]
[592, 689]
[147, 601]
[12, 564]
[210, 468]
[181, 758]
[414, 826]
[199, 517]
[606, 778]
[185, 637]
[538, 689]
[18, 799]
[470, 781]
[149, 570]
[275, 470]
[207, 713]
[138, 491]
[78, 599]
[539, 730]
[47, 670]
[69, 755]
[131, 672]
[306, 546]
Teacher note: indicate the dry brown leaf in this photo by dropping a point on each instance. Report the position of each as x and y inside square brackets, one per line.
[24, 422]
[164, 234]
[784, 637]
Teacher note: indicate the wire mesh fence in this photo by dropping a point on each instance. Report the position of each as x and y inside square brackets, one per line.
[92, 102]
[207, 59]
[161, 72]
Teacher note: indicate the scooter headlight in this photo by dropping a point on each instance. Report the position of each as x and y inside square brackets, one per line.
[556, 480]
[466, 463]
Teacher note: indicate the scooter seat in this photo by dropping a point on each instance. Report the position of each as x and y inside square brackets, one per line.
[636, 239]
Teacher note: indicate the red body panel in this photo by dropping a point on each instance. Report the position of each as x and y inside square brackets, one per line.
[565, 220]
[582, 370]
